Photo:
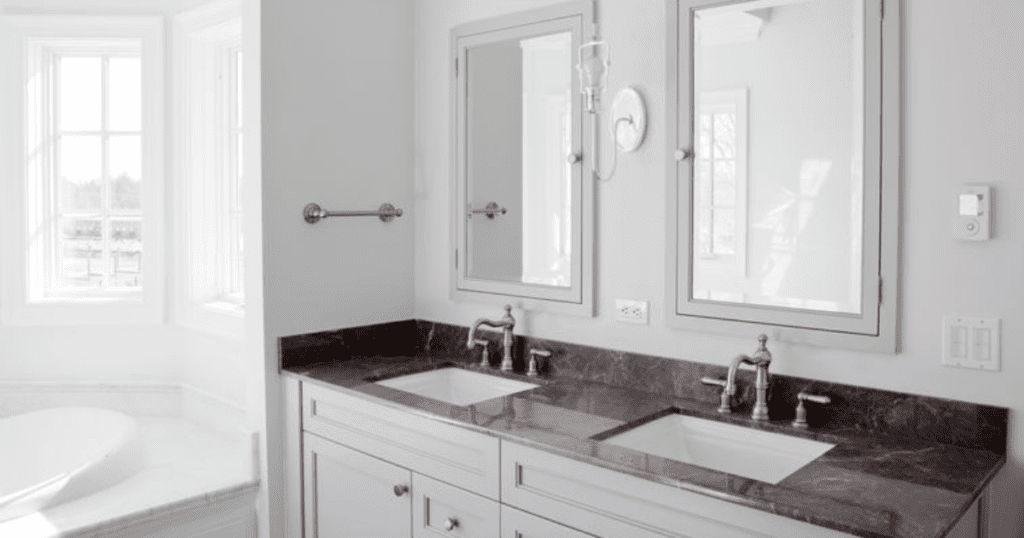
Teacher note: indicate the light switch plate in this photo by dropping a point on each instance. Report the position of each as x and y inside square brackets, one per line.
[972, 215]
[971, 342]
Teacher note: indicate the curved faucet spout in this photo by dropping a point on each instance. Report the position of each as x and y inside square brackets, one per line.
[506, 323]
[730, 381]
[761, 359]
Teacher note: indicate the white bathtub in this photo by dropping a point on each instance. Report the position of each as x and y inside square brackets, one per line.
[54, 456]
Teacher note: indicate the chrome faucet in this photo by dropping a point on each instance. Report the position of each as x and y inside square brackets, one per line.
[506, 323]
[760, 360]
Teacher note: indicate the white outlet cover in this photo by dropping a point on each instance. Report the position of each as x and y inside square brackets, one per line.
[971, 342]
[631, 311]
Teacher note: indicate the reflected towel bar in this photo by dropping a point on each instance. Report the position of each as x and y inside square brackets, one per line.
[386, 212]
[491, 209]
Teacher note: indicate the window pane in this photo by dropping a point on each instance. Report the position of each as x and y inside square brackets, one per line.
[80, 103]
[126, 253]
[704, 137]
[703, 194]
[724, 231]
[125, 94]
[238, 88]
[703, 229]
[725, 136]
[81, 253]
[238, 169]
[80, 170]
[725, 183]
[125, 172]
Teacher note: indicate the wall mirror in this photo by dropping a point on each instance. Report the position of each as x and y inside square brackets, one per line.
[784, 169]
[522, 217]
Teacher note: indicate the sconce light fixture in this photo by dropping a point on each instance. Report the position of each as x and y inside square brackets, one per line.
[629, 115]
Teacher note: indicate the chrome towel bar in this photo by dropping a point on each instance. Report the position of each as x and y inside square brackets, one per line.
[386, 212]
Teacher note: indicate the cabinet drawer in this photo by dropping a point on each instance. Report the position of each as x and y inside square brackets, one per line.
[518, 524]
[613, 504]
[456, 455]
[443, 510]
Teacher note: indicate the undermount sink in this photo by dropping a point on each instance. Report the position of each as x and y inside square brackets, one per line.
[765, 456]
[456, 386]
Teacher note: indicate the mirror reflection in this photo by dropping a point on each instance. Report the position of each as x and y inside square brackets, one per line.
[518, 180]
[779, 150]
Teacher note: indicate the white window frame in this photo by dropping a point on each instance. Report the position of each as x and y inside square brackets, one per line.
[30, 47]
[206, 40]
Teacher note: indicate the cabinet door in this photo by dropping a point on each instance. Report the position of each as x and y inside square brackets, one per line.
[440, 510]
[351, 495]
[518, 524]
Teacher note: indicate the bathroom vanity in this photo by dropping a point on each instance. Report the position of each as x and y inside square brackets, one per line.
[544, 462]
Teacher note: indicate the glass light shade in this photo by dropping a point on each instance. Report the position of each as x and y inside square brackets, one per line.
[593, 68]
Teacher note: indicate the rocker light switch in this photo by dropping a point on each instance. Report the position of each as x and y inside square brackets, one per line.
[969, 205]
[970, 342]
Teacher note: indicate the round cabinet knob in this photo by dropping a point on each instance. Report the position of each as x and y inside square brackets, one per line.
[683, 154]
[573, 158]
[401, 489]
[450, 524]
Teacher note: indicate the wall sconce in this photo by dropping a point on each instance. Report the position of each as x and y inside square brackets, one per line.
[629, 115]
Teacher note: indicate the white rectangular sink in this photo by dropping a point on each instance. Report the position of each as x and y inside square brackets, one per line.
[765, 456]
[456, 386]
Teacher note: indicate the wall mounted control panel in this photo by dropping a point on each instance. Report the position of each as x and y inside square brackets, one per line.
[973, 218]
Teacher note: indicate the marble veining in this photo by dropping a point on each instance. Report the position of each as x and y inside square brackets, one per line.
[905, 466]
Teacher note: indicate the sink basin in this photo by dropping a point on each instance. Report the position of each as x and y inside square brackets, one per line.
[456, 386]
[765, 456]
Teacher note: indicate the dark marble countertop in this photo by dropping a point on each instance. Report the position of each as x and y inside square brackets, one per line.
[868, 485]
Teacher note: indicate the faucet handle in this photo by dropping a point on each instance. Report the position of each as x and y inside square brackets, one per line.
[534, 353]
[801, 412]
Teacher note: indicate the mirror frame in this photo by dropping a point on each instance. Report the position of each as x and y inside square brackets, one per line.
[876, 328]
[579, 297]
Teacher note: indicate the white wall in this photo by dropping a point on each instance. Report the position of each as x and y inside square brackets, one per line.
[337, 130]
[963, 123]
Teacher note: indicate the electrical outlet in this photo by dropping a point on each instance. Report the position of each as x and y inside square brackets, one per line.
[628, 311]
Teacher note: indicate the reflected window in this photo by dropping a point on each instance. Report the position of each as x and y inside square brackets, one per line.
[720, 177]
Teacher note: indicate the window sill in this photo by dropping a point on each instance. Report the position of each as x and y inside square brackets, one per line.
[219, 318]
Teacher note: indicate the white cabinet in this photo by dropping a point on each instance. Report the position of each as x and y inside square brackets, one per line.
[458, 456]
[443, 510]
[519, 524]
[355, 453]
[611, 504]
[351, 495]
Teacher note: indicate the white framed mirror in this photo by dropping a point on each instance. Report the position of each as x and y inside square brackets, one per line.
[784, 163]
[522, 219]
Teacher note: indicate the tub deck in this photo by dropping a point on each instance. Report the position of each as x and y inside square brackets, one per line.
[192, 470]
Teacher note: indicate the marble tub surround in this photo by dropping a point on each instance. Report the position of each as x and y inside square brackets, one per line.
[201, 464]
[870, 484]
[853, 409]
